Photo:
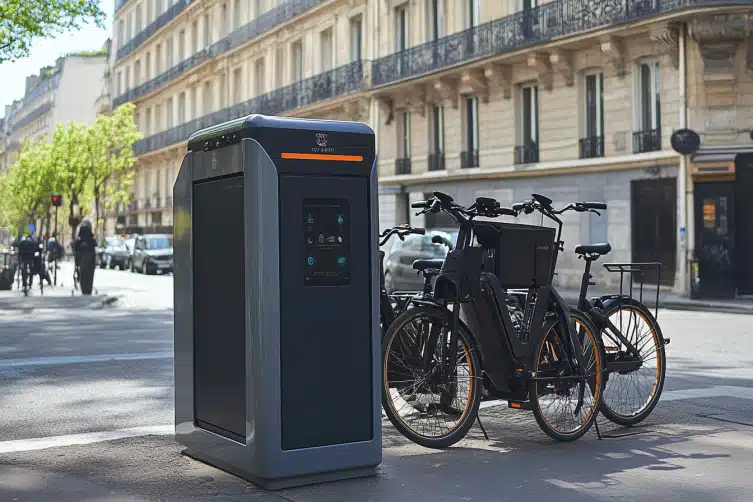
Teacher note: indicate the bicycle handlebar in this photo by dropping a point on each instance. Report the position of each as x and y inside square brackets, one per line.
[401, 231]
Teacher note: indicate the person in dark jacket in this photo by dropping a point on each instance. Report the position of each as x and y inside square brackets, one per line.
[85, 253]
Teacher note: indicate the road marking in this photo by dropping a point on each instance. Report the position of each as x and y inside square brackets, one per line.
[676, 395]
[19, 445]
[62, 360]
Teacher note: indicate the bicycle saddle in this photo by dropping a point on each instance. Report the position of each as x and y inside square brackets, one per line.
[421, 265]
[600, 248]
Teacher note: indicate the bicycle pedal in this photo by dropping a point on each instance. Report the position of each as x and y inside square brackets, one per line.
[519, 405]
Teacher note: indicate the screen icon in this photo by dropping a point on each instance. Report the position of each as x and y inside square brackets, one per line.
[341, 260]
[310, 219]
[340, 219]
[310, 261]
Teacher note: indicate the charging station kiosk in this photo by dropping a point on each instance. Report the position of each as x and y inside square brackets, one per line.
[277, 350]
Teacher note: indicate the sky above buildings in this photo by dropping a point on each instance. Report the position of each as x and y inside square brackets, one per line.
[45, 52]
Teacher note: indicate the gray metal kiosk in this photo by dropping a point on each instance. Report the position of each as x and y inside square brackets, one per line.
[277, 357]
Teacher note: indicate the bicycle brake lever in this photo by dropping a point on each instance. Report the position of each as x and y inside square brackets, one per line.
[594, 211]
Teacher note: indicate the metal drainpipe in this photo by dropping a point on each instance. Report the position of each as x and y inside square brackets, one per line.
[685, 208]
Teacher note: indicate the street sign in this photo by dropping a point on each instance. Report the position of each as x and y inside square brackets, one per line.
[32, 227]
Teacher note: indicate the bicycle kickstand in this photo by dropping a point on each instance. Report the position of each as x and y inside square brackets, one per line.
[478, 419]
[598, 432]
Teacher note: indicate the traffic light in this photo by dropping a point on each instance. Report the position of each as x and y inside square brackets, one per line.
[57, 199]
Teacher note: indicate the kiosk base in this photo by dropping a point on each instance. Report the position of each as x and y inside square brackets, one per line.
[282, 483]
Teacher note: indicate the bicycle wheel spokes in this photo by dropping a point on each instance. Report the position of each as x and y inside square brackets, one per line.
[629, 394]
[559, 406]
[426, 403]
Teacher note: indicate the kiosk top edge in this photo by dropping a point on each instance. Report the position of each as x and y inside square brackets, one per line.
[197, 140]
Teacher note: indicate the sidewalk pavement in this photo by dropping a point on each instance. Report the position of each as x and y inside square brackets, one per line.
[673, 301]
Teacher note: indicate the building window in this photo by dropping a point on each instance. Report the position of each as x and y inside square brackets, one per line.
[259, 85]
[137, 120]
[157, 8]
[182, 45]
[401, 28]
[472, 13]
[121, 33]
[356, 38]
[148, 124]
[119, 84]
[206, 97]
[157, 118]
[223, 20]
[280, 67]
[402, 163]
[259, 8]
[469, 154]
[194, 37]
[297, 61]
[169, 113]
[647, 136]
[326, 45]
[236, 14]
[128, 77]
[527, 151]
[237, 86]
[194, 103]
[137, 72]
[169, 50]
[148, 66]
[158, 59]
[129, 26]
[436, 139]
[592, 142]
[207, 30]
[223, 91]
[182, 108]
[139, 18]
[434, 19]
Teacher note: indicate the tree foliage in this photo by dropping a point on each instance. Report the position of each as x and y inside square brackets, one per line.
[91, 166]
[21, 21]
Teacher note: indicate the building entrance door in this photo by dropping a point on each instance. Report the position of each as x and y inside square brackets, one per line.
[715, 238]
[653, 211]
[744, 223]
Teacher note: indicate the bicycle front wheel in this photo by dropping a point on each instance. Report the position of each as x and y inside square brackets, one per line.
[631, 396]
[566, 400]
[429, 408]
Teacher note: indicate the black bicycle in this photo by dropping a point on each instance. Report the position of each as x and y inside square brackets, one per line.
[530, 349]
[391, 305]
[633, 342]
[28, 270]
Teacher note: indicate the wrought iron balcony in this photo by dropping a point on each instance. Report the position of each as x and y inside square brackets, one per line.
[152, 28]
[327, 85]
[265, 22]
[541, 24]
[32, 116]
[647, 141]
[469, 159]
[527, 154]
[436, 161]
[402, 166]
[591, 147]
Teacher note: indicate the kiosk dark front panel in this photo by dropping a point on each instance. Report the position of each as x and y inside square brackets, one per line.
[325, 343]
[219, 306]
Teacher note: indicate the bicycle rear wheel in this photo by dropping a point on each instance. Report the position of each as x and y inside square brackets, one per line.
[426, 408]
[631, 396]
[556, 401]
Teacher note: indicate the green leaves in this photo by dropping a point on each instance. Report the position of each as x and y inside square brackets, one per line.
[21, 21]
[87, 164]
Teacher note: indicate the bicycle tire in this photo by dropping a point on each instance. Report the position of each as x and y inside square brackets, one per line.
[595, 376]
[466, 340]
[648, 407]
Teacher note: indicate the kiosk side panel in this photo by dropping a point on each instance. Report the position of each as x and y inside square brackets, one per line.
[326, 325]
[219, 306]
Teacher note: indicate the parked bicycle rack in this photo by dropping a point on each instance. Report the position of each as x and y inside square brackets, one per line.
[637, 270]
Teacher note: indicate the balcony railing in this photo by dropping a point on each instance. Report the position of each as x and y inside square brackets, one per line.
[647, 141]
[32, 116]
[267, 21]
[402, 166]
[527, 154]
[469, 159]
[591, 147]
[327, 85]
[541, 24]
[152, 28]
[436, 161]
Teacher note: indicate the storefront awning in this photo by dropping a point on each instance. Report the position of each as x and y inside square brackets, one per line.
[720, 153]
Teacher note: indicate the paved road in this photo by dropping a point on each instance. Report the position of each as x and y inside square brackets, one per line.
[86, 402]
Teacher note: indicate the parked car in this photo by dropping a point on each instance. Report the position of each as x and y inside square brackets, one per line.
[112, 253]
[152, 253]
[399, 274]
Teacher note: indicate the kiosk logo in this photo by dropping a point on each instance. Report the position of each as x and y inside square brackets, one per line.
[214, 161]
[321, 139]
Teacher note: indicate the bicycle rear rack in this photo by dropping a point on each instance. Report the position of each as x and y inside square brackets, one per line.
[640, 270]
